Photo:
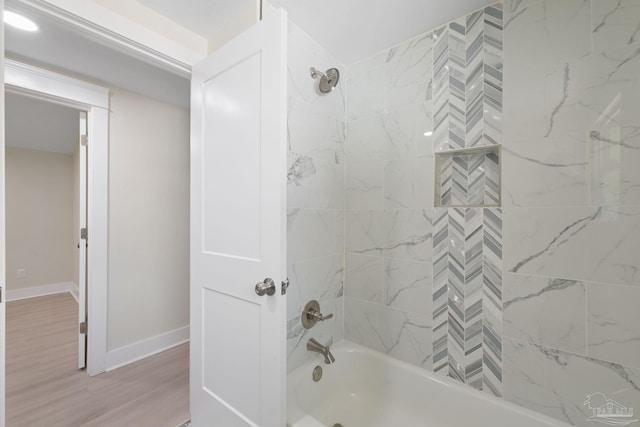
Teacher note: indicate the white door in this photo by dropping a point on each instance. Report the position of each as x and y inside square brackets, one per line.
[238, 230]
[82, 246]
[3, 290]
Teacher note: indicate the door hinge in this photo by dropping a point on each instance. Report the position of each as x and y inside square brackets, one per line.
[0, 293]
[84, 139]
[285, 286]
[83, 233]
[83, 327]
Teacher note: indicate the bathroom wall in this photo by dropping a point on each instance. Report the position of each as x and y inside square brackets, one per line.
[571, 204]
[389, 202]
[148, 220]
[536, 301]
[315, 191]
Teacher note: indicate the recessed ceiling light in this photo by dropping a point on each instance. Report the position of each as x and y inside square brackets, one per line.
[428, 133]
[19, 21]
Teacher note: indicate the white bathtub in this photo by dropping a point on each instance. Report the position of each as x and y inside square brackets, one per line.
[364, 388]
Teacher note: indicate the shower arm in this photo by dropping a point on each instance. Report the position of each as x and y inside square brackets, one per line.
[316, 73]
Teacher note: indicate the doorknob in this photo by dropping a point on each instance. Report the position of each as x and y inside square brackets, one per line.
[267, 287]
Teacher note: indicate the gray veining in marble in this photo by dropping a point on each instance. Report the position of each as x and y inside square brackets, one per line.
[545, 311]
[616, 23]
[560, 242]
[557, 383]
[613, 323]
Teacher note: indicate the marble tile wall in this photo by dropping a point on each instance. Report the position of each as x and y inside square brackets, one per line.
[389, 202]
[315, 191]
[437, 91]
[571, 207]
[549, 316]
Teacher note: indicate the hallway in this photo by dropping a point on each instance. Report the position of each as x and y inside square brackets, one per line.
[45, 388]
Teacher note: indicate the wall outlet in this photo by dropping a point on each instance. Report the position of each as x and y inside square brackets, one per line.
[21, 273]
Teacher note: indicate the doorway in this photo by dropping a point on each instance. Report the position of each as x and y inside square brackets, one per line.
[61, 93]
[46, 203]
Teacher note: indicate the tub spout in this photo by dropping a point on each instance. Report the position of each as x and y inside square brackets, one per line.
[313, 345]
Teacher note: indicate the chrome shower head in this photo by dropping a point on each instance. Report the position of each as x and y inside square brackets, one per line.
[328, 80]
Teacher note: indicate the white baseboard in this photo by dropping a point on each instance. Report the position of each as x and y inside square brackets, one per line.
[137, 351]
[43, 290]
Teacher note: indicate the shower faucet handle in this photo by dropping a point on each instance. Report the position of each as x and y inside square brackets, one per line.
[311, 314]
[319, 316]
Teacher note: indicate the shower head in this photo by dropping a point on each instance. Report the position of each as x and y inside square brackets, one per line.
[328, 80]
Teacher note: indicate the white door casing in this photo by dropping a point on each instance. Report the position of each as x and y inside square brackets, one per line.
[238, 230]
[43, 84]
[82, 244]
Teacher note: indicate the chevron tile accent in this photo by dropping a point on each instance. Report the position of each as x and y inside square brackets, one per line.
[441, 88]
[492, 85]
[467, 295]
[449, 86]
[457, 86]
[441, 244]
[475, 79]
[492, 301]
[467, 242]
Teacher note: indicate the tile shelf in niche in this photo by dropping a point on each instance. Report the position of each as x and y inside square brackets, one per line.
[469, 177]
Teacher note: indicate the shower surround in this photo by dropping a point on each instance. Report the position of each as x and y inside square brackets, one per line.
[422, 283]
[536, 301]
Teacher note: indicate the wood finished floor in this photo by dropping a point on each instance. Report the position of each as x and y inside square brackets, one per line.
[45, 388]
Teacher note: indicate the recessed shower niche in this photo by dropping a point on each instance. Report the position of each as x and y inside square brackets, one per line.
[468, 177]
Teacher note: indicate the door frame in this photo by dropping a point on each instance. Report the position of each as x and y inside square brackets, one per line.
[46, 85]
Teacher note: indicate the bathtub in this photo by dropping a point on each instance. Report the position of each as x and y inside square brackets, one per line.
[364, 388]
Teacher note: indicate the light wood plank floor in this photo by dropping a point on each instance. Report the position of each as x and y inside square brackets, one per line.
[45, 388]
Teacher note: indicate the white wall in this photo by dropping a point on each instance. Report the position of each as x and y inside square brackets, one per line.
[148, 219]
[76, 214]
[39, 217]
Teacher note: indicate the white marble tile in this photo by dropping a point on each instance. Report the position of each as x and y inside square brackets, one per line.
[405, 336]
[409, 71]
[424, 181]
[319, 279]
[365, 184]
[403, 234]
[409, 234]
[366, 87]
[539, 37]
[364, 277]
[613, 323]
[313, 182]
[545, 172]
[557, 383]
[615, 23]
[614, 159]
[303, 52]
[523, 98]
[315, 216]
[400, 183]
[550, 32]
[545, 311]
[407, 286]
[338, 316]
[366, 149]
[310, 234]
[316, 131]
[584, 243]
[591, 93]
[406, 173]
[339, 232]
